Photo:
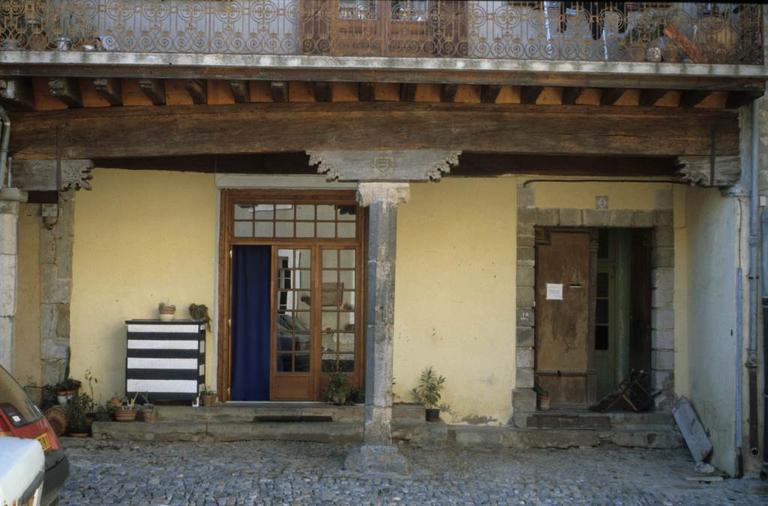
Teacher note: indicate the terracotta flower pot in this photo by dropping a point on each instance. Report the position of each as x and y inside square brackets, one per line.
[149, 415]
[208, 400]
[125, 415]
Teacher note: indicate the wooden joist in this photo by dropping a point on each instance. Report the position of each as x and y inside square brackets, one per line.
[489, 93]
[691, 98]
[609, 96]
[66, 89]
[448, 92]
[198, 90]
[154, 89]
[571, 95]
[110, 90]
[268, 127]
[239, 91]
[529, 94]
[322, 91]
[17, 94]
[407, 92]
[279, 91]
[366, 92]
[648, 98]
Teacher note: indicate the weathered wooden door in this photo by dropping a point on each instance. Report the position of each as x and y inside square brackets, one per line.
[565, 277]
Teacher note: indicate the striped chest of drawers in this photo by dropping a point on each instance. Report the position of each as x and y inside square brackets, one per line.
[165, 361]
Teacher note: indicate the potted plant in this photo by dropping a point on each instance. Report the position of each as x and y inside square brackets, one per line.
[127, 411]
[427, 393]
[167, 311]
[148, 412]
[338, 391]
[543, 398]
[208, 397]
[78, 420]
[66, 390]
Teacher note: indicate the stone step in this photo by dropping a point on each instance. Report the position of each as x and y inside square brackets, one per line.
[599, 421]
[232, 413]
[509, 437]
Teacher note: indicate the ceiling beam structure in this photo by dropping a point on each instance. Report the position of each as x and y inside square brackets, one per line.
[239, 90]
[17, 94]
[67, 90]
[198, 90]
[266, 127]
[154, 89]
[110, 90]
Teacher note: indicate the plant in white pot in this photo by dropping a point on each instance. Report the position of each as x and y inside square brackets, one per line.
[428, 393]
[167, 311]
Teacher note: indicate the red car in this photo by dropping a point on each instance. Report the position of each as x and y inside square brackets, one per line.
[19, 417]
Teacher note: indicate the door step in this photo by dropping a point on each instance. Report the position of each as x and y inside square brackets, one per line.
[292, 418]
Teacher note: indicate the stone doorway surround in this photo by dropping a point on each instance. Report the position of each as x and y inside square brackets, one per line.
[662, 284]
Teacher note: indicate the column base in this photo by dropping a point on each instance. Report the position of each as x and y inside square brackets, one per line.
[377, 459]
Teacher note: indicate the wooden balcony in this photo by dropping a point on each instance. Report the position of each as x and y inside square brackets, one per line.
[664, 32]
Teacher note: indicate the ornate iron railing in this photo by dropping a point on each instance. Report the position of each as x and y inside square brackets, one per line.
[586, 31]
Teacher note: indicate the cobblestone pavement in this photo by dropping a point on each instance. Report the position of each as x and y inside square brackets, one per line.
[311, 473]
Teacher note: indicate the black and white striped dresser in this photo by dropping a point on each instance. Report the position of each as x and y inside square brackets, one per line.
[165, 361]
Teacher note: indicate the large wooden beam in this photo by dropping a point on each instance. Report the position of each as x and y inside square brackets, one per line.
[240, 91]
[17, 94]
[198, 90]
[154, 89]
[52, 175]
[66, 89]
[110, 90]
[267, 127]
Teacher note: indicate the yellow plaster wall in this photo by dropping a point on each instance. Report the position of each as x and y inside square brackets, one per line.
[455, 294]
[26, 351]
[140, 238]
[573, 195]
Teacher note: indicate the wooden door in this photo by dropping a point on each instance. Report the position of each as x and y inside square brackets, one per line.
[565, 277]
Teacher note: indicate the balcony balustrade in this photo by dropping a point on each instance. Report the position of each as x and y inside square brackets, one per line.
[574, 31]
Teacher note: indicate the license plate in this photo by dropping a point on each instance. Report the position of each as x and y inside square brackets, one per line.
[44, 441]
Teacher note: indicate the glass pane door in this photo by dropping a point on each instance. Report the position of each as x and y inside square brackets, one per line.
[339, 326]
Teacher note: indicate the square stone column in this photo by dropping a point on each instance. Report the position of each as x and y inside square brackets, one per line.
[9, 223]
[377, 454]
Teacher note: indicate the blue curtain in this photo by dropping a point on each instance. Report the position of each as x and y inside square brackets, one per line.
[251, 267]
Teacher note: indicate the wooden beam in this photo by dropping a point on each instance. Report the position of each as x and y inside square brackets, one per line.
[737, 99]
[570, 95]
[472, 163]
[689, 99]
[366, 92]
[66, 89]
[489, 93]
[699, 170]
[43, 175]
[529, 94]
[267, 127]
[17, 94]
[448, 92]
[609, 96]
[198, 90]
[240, 91]
[322, 91]
[648, 98]
[407, 92]
[110, 90]
[279, 91]
[154, 89]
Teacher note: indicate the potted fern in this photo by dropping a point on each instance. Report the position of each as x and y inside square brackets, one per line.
[427, 393]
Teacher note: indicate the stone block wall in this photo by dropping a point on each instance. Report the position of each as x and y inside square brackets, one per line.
[662, 313]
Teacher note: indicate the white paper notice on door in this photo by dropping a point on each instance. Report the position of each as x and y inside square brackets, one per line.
[554, 291]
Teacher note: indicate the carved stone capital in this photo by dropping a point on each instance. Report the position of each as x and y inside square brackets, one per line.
[41, 175]
[385, 165]
[388, 193]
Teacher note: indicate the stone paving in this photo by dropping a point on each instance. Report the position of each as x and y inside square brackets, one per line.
[267, 472]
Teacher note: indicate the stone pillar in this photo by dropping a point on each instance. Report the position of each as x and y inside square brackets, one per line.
[56, 241]
[9, 229]
[377, 454]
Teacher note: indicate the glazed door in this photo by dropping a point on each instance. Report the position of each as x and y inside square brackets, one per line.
[565, 268]
[292, 372]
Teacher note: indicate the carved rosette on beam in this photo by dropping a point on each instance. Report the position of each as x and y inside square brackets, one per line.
[718, 171]
[52, 175]
[384, 165]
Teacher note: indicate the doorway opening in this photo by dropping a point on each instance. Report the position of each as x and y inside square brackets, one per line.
[593, 312]
[291, 294]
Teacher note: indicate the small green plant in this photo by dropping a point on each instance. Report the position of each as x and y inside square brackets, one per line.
[427, 391]
[78, 409]
[338, 389]
[207, 391]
